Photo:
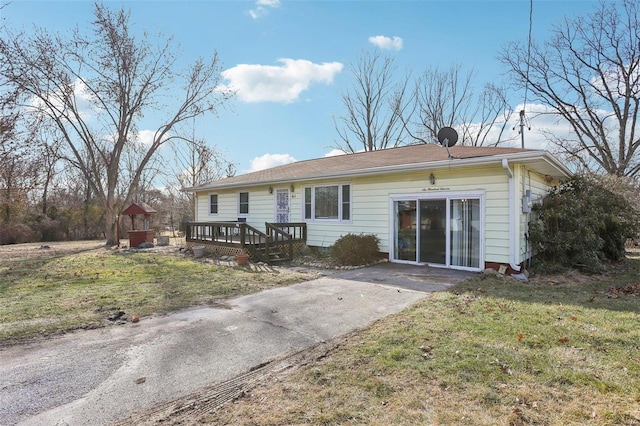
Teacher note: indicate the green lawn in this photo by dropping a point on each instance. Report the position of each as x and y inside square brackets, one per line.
[556, 351]
[44, 292]
[560, 350]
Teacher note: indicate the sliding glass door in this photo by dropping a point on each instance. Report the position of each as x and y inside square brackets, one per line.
[465, 233]
[439, 231]
[433, 231]
[405, 230]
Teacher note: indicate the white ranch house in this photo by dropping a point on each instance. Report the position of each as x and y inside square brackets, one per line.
[462, 208]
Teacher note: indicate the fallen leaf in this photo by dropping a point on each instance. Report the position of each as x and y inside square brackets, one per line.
[563, 339]
[520, 337]
[141, 380]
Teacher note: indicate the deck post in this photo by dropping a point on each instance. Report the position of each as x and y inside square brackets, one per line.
[267, 248]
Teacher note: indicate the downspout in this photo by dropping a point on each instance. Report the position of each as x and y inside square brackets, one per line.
[512, 216]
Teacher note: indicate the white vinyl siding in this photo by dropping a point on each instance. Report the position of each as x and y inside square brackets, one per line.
[369, 204]
[539, 187]
[261, 208]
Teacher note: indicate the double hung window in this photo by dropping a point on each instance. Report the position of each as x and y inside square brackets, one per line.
[328, 202]
[213, 204]
[243, 203]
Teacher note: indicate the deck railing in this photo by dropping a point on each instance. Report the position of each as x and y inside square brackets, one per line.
[223, 233]
[278, 239]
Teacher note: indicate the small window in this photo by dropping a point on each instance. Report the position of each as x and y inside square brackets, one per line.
[346, 202]
[307, 203]
[213, 204]
[243, 203]
[328, 202]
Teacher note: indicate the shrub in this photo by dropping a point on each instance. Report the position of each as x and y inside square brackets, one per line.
[16, 233]
[47, 229]
[581, 224]
[354, 249]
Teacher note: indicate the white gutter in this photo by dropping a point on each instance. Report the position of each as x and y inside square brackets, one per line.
[512, 216]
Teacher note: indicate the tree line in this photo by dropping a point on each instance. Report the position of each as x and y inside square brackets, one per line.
[72, 106]
[72, 155]
[586, 74]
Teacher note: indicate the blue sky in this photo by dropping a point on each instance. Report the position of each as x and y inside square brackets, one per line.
[290, 60]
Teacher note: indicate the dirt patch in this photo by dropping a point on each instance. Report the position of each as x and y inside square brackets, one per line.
[630, 289]
[35, 251]
[570, 278]
[206, 401]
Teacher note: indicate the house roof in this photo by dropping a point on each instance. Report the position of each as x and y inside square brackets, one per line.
[139, 208]
[406, 158]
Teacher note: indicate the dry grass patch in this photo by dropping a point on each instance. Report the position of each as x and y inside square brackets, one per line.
[489, 352]
[82, 285]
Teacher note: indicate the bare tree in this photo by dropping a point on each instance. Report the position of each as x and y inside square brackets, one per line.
[588, 74]
[97, 88]
[195, 163]
[21, 159]
[373, 106]
[447, 99]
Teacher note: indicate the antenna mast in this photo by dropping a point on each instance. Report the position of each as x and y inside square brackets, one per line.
[522, 118]
[526, 87]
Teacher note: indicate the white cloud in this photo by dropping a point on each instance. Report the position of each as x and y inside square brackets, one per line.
[145, 137]
[262, 8]
[284, 83]
[386, 43]
[82, 99]
[270, 160]
[334, 152]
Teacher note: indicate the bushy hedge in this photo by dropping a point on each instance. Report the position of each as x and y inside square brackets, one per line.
[16, 233]
[356, 250]
[582, 224]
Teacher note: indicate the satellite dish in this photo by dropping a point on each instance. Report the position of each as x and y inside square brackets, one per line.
[447, 136]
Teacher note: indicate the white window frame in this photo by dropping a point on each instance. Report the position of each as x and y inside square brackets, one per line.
[217, 205]
[240, 204]
[340, 219]
[448, 196]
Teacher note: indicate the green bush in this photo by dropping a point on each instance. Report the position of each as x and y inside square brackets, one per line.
[582, 224]
[355, 250]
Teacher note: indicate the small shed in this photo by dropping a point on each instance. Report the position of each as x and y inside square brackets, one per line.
[137, 237]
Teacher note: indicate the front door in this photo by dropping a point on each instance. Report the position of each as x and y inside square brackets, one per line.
[282, 205]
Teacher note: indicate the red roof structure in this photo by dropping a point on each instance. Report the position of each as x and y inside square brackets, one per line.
[139, 208]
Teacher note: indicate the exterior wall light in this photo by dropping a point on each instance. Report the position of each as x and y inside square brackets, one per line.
[293, 188]
[432, 179]
[270, 190]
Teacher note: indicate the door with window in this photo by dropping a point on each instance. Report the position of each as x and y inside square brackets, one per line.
[439, 231]
[282, 205]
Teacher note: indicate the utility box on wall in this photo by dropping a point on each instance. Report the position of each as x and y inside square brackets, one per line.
[526, 202]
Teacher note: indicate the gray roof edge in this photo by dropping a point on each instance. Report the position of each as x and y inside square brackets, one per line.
[427, 165]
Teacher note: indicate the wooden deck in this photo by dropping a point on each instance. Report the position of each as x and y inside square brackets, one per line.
[277, 242]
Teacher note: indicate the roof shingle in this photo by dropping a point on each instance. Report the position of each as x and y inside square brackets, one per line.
[363, 161]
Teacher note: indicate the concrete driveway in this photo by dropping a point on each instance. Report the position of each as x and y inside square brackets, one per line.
[103, 376]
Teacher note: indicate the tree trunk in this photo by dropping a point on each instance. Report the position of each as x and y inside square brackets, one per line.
[111, 227]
